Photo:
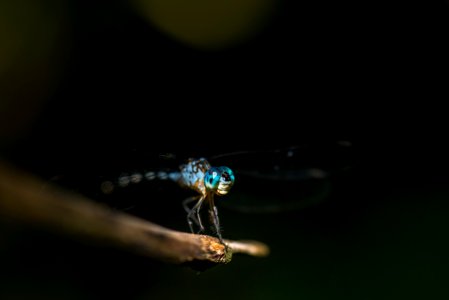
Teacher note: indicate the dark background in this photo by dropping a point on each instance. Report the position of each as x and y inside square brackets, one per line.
[93, 89]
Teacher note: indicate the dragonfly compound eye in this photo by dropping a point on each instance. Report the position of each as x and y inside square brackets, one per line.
[219, 180]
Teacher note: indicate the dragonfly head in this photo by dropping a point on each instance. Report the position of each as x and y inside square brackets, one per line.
[219, 180]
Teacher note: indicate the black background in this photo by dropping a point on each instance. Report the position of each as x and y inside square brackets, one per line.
[371, 73]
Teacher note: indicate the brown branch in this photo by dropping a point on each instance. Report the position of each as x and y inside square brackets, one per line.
[23, 199]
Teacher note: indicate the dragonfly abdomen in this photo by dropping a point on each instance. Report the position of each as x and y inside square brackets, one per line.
[126, 180]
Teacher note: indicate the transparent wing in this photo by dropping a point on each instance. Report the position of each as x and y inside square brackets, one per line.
[269, 181]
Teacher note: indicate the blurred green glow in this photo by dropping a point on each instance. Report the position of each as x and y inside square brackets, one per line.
[30, 39]
[207, 24]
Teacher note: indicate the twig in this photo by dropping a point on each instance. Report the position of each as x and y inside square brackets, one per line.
[23, 199]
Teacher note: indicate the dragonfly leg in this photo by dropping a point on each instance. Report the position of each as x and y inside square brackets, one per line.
[189, 200]
[193, 213]
[214, 216]
[188, 210]
[198, 217]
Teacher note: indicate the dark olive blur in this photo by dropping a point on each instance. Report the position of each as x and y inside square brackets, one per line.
[90, 90]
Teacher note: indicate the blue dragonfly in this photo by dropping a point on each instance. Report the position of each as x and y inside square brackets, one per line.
[195, 174]
[270, 181]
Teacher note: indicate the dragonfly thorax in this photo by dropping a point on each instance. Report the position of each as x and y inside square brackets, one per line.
[199, 175]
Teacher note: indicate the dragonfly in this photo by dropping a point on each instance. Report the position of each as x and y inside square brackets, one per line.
[196, 174]
[270, 181]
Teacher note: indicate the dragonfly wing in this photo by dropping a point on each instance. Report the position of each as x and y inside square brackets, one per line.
[284, 179]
